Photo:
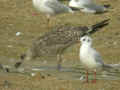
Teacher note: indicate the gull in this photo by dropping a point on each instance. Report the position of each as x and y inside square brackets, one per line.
[57, 40]
[87, 6]
[91, 59]
[51, 7]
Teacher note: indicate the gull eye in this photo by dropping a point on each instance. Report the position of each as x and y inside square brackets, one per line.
[88, 40]
[84, 39]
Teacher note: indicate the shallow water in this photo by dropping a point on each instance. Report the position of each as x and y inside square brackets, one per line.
[18, 17]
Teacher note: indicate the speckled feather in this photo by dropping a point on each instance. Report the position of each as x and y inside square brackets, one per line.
[60, 38]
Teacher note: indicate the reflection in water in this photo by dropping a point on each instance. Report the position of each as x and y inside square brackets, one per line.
[73, 73]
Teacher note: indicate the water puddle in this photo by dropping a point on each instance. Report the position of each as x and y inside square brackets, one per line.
[71, 73]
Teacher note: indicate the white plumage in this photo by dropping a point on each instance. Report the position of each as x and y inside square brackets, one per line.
[87, 6]
[89, 57]
[51, 7]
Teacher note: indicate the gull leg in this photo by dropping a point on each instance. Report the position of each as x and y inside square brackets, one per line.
[59, 58]
[94, 80]
[59, 55]
[48, 21]
[86, 76]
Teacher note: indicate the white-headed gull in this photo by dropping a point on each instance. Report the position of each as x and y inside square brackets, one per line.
[51, 7]
[87, 6]
[91, 59]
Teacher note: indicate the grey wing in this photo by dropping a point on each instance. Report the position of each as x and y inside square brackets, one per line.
[95, 7]
[97, 57]
[58, 7]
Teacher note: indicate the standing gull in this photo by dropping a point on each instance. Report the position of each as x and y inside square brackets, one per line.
[91, 59]
[55, 42]
[87, 6]
[51, 7]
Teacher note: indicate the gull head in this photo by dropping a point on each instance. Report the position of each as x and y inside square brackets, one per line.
[86, 40]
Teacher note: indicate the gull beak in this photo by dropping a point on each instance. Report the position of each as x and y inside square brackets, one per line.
[78, 41]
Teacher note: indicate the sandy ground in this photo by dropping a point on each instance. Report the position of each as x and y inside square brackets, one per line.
[20, 16]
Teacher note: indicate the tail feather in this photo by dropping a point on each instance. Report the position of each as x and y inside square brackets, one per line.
[18, 64]
[97, 26]
[4, 68]
[109, 67]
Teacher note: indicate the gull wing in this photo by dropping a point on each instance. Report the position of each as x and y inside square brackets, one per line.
[58, 7]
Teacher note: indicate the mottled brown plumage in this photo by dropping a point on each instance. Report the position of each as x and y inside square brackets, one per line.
[58, 39]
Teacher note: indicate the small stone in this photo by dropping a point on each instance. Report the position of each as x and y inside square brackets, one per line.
[10, 46]
[44, 62]
[33, 74]
[82, 78]
[18, 33]
[38, 76]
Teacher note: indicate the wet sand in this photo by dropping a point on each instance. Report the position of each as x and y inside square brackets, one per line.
[20, 16]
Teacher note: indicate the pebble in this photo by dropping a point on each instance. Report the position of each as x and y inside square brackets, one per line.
[10, 46]
[82, 78]
[33, 74]
[18, 33]
[44, 62]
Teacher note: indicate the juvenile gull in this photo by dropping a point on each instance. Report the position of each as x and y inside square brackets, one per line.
[87, 6]
[91, 59]
[51, 7]
[57, 40]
